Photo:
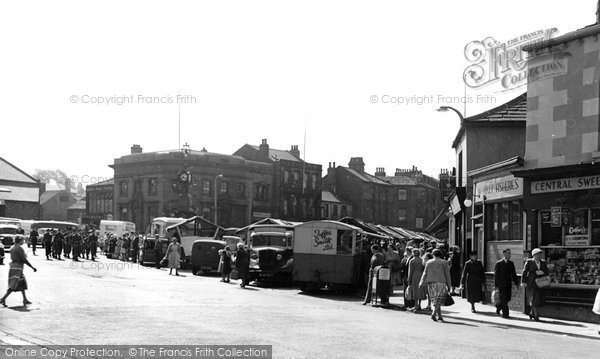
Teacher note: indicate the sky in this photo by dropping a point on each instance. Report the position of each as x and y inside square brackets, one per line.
[80, 82]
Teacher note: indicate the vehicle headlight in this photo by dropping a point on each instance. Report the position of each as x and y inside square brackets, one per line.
[279, 256]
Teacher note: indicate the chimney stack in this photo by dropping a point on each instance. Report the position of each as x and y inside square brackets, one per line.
[357, 164]
[295, 151]
[380, 172]
[263, 151]
[136, 149]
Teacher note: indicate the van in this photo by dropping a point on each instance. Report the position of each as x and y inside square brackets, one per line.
[117, 228]
[205, 255]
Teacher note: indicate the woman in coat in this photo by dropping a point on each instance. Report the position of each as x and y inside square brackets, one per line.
[436, 276]
[225, 265]
[534, 268]
[16, 278]
[454, 261]
[415, 272]
[472, 280]
[173, 255]
[242, 263]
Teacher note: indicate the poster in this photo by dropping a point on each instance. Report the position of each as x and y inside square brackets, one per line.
[556, 216]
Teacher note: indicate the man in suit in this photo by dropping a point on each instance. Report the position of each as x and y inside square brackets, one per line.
[504, 275]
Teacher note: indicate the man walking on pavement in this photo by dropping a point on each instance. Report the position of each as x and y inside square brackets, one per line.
[92, 244]
[33, 236]
[48, 244]
[504, 275]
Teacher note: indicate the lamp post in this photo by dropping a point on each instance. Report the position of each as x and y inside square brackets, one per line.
[216, 180]
[464, 214]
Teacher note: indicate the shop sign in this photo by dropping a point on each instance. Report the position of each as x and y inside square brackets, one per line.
[565, 184]
[499, 188]
[384, 274]
[577, 240]
[455, 204]
[546, 218]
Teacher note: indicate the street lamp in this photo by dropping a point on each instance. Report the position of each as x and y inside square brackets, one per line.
[216, 179]
[448, 108]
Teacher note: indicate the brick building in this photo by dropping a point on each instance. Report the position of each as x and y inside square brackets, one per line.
[56, 199]
[296, 183]
[19, 192]
[183, 182]
[409, 199]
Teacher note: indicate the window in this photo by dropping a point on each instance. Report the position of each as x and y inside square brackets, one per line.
[402, 194]
[223, 187]
[402, 214]
[206, 187]
[325, 210]
[286, 177]
[152, 185]
[63, 198]
[124, 188]
[344, 242]
[241, 188]
[296, 178]
[503, 221]
[335, 210]
[313, 182]
[262, 192]
[344, 211]
[285, 207]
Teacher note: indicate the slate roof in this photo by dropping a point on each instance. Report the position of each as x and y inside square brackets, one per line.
[327, 196]
[514, 110]
[277, 155]
[363, 176]
[10, 172]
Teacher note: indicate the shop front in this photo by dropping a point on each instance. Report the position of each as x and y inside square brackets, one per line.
[564, 204]
[498, 220]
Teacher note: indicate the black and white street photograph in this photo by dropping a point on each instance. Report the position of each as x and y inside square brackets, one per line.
[299, 179]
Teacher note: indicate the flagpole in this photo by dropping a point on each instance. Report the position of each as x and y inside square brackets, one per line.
[179, 131]
[304, 159]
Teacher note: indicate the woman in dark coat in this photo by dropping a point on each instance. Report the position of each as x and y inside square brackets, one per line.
[225, 264]
[454, 269]
[472, 280]
[534, 268]
[242, 264]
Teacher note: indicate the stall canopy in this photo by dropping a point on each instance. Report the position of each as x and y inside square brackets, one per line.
[269, 221]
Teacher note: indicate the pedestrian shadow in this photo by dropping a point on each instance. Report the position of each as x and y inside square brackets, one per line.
[333, 294]
[22, 308]
[446, 321]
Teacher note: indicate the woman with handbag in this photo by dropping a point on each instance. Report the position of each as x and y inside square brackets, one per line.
[173, 256]
[16, 278]
[436, 276]
[534, 274]
[472, 280]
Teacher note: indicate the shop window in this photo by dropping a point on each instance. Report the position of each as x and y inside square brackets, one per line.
[595, 240]
[551, 234]
[515, 214]
[504, 221]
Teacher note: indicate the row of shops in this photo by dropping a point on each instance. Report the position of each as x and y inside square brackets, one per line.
[529, 177]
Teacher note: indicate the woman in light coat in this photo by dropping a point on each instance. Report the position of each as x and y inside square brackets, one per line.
[437, 278]
[173, 256]
[534, 268]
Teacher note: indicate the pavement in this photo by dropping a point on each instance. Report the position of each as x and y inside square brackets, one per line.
[486, 313]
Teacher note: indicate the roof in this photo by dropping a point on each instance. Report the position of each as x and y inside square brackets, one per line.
[367, 227]
[195, 218]
[365, 177]
[108, 182]
[509, 163]
[514, 111]
[438, 221]
[176, 155]
[589, 30]
[269, 221]
[48, 195]
[22, 194]
[327, 196]
[10, 172]
[276, 155]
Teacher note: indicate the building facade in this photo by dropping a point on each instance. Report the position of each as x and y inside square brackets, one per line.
[99, 202]
[334, 208]
[296, 183]
[482, 140]
[56, 199]
[408, 199]
[19, 192]
[561, 172]
[187, 182]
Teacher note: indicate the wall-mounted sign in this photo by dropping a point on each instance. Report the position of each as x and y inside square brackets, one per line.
[455, 204]
[555, 220]
[499, 188]
[565, 184]
[577, 240]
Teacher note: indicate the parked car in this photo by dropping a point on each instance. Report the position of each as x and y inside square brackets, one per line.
[205, 255]
[8, 233]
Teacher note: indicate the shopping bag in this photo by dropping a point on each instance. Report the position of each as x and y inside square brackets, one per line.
[408, 294]
[234, 275]
[448, 301]
[542, 282]
[496, 296]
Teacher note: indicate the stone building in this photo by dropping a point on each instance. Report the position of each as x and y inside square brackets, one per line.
[184, 182]
[296, 183]
[99, 202]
